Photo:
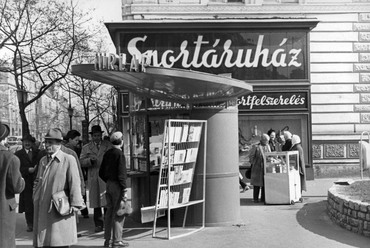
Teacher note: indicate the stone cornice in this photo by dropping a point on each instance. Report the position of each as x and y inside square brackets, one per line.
[212, 9]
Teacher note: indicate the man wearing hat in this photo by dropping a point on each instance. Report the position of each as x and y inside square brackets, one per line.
[57, 172]
[113, 172]
[11, 183]
[91, 157]
[29, 157]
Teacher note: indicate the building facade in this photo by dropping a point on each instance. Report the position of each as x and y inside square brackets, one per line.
[49, 110]
[339, 61]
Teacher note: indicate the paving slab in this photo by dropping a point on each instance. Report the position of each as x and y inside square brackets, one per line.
[301, 225]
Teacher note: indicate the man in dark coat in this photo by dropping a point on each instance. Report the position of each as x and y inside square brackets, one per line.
[72, 141]
[258, 165]
[11, 183]
[28, 156]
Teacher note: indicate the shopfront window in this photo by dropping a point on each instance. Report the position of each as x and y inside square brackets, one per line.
[147, 121]
[251, 127]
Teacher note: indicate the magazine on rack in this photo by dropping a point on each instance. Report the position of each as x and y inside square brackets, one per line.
[177, 134]
[163, 198]
[179, 156]
[174, 198]
[187, 175]
[185, 131]
[191, 155]
[177, 176]
[194, 133]
[168, 156]
[185, 195]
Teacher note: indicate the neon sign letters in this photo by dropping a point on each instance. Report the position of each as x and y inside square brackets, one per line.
[213, 58]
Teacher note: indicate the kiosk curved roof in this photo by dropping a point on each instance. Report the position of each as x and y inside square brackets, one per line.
[176, 85]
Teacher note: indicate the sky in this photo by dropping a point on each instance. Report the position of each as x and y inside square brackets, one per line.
[105, 10]
[108, 10]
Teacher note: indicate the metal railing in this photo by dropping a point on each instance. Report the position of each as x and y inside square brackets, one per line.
[361, 153]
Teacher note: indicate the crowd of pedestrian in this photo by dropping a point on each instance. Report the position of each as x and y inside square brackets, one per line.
[272, 142]
[53, 183]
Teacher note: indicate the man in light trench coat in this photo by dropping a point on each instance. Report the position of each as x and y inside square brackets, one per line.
[57, 171]
[91, 157]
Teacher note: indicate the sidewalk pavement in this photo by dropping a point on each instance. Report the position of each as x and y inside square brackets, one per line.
[301, 225]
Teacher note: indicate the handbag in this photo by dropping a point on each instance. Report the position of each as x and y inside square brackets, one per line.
[124, 209]
[61, 203]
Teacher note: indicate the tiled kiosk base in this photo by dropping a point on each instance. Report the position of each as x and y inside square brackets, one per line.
[349, 213]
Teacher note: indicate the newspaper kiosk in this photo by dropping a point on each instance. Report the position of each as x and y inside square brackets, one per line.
[282, 181]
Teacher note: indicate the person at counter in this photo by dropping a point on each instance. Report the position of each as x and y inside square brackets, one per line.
[288, 141]
[257, 165]
[273, 143]
[296, 146]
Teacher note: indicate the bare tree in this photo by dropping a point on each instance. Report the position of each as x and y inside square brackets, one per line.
[93, 98]
[41, 37]
[6, 11]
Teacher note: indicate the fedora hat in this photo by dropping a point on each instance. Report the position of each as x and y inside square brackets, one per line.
[54, 134]
[4, 131]
[96, 129]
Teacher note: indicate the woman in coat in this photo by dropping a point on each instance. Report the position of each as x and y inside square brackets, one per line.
[11, 183]
[257, 165]
[56, 172]
[296, 146]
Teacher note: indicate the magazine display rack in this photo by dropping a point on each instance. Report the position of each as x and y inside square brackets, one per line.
[282, 180]
[181, 145]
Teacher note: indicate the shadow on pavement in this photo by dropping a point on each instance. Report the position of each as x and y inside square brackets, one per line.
[313, 217]
[248, 202]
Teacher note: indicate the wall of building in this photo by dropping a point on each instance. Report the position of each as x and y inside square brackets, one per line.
[339, 59]
[44, 113]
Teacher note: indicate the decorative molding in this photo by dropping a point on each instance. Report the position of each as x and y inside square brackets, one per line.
[362, 108]
[365, 118]
[217, 8]
[361, 47]
[365, 17]
[334, 151]
[364, 36]
[316, 151]
[365, 98]
[353, 150]
[361, 67]
[361, 26]
[362, 88]
[364, 77]
[365, 57]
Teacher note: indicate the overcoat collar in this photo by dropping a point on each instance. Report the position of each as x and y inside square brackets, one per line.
[3, 148]
[59, 155]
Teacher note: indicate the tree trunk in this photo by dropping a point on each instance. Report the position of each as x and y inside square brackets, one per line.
[25, 126]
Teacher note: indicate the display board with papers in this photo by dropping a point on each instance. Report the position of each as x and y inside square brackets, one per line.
[182, 143]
